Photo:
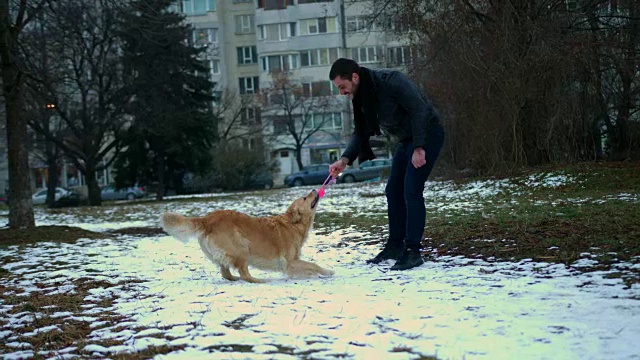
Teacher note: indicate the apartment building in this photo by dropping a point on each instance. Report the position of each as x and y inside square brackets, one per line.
[255, 39]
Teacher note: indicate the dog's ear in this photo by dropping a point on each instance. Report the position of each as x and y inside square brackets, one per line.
[296, 215]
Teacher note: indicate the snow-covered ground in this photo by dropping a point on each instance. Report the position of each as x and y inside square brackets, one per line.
[450, 308]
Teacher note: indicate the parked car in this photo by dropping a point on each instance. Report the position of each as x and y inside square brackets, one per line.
[368, 170]
[199, 184]
[40, 197]
[110, 192]
[309, 175]
[261, 180]
[71, 199]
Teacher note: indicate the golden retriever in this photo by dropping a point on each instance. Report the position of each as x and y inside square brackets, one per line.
[233, 239]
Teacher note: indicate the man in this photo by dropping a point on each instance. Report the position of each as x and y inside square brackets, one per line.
[387, 100]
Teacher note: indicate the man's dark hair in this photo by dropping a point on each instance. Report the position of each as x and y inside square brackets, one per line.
[344, 68]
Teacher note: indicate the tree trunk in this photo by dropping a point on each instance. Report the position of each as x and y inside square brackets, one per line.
[92, 184]
[299, 156]
[52, 176]
[622, 138]
[161, 173]
[20, 204]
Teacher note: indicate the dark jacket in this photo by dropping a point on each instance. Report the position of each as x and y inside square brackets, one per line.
[386, 99]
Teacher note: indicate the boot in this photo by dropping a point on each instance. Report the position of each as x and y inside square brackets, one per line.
[391, 251]
[410, 258]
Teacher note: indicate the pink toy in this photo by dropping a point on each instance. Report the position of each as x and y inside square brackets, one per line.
[328, 181]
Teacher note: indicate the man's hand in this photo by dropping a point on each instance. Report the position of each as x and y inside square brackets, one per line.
[337, 167]
[419, 158]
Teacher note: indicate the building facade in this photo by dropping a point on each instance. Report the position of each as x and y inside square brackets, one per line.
[256, 39]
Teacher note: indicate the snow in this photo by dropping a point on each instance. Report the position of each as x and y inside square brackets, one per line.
[450, 307]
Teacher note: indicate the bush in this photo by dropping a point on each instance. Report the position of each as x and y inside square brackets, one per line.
[234, 166]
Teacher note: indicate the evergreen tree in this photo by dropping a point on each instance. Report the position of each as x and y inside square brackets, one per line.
[173, 126]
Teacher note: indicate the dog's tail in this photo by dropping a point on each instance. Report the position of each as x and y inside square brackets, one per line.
[180, 227]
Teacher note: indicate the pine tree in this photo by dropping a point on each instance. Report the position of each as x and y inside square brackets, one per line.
[173, 126]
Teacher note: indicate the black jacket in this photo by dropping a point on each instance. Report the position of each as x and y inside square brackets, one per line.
[386, 99]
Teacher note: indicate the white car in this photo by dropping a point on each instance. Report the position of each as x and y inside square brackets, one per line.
[40, 197]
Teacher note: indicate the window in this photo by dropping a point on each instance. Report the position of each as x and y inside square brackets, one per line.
[274, 4]
[245, 24]
[247, 55]
[214, 67]
[280, 125]
[326, 121]
[398, 55]
[277, 32]
[198, 7]
[251, 144]
[250, 116]
[318, 26]
[318, 57]
[354, 23]
[314, 89]
[367, 54]
[204, 37]
[276, 63]
[248, 85]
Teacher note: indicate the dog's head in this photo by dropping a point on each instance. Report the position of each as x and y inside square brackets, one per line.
[304, 208]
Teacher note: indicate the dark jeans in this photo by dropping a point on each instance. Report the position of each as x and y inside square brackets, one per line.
[405, 200]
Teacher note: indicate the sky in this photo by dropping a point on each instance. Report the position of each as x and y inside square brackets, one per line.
[450, 307]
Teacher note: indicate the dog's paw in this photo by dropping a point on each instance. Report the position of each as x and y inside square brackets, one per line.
[327, 273]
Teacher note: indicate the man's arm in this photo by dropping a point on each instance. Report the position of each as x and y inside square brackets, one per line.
[352, 150]
[349, 155]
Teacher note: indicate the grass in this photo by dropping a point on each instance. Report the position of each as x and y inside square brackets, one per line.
[46, 233]
[551, 224]
[63, 331]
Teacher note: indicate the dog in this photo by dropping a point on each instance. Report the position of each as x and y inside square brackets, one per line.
[231, 239]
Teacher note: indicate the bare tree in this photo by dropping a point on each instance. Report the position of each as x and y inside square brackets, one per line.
[613, 48]
[89, 92]
[296, 113]
[20, 204]
[38, 106]
[240, 116]
[41, 115]
[503, 75]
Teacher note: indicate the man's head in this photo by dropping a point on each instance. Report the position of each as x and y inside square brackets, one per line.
[345, 75]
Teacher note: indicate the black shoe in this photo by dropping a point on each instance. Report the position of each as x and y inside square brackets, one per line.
[410, 258]
[390, 252]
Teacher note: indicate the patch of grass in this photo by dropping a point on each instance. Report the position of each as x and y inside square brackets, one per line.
[540, 231]
[137, 231]
[148, 353]
[280, 349]
[405, 349]
[332, 221]
[239, 323]
[66, 234]
[552, 224]
[544, 223]
[42, 305]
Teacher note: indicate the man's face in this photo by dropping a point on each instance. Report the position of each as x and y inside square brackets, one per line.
[347, 87]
